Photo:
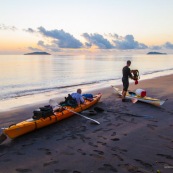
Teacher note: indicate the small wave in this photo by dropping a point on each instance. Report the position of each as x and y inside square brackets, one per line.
[34, 90]
[157, 71]
[49, 89]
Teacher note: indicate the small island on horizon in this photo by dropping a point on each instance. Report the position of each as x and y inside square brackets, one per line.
[156, 53]
[38, 53]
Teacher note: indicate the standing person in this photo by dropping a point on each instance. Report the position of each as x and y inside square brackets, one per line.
[125, 79]
[79, 98]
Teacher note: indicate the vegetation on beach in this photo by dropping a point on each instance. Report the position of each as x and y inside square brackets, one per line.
[37, 53]
[156, 53]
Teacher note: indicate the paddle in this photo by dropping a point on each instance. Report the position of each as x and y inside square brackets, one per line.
[3, 137]
[134, 100]
[55, 106]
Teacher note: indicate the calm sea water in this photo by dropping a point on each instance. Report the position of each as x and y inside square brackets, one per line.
[22, 75]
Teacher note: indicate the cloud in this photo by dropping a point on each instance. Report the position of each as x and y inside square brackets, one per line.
[97, 40]
[114, 36]
[35, 49]
[50, 47]
[128, 42]
[4, 27]
[30, 30]
[168, 45]
[45, 47]
[156, 47]
[62, 39]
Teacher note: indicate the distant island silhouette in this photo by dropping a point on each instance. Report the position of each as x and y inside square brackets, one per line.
[156, 53]
[37, 53]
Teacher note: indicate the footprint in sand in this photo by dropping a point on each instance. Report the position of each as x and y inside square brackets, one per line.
[118, 156]
[47, 151]
[107, 130]
[132, 120]
[151, 126]
[23, 170]
[119, 149]
[93, 145]
[80, 151]
[62, 171]
[83, 137]
[147, 165]
[102, 137]
[25, 145]
[97, 156]
[109, 124]
[170, 147]
[83, 128]
[20, 153]
[50, 163]
[119, 124]
[102, 143]
[130, 168]
[7, 160]
[108, 168]
[99, 152]
[59, 139]
[72, 137]
[153, 121]
[164, 137]
[115, 139]
[166, 156]
[68, 153]
[163, 163]
[97, 130]
[106, 119]
[114, 134]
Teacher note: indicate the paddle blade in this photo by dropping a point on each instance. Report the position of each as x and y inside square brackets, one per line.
[134, 100]
[54, 104]
[3, 137]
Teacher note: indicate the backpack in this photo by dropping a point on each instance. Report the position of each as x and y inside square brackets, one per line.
[69, 101]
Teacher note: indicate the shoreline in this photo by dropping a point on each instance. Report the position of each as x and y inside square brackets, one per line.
[31, 106]
[15, 103]
[131, 137]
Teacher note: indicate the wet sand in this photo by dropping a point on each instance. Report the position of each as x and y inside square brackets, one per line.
[135, 138]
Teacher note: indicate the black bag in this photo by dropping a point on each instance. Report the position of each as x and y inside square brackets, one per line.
[37, 114]
[43, 112]
[69, 101]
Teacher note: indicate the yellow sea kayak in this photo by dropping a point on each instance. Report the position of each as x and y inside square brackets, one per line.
[30, 125]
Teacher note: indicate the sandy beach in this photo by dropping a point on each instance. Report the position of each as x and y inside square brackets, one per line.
[135, 138]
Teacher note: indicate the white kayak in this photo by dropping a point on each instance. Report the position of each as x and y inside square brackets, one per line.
[134, 98]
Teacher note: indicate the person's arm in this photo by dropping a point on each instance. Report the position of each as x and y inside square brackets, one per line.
[130, 74]
[82, 99]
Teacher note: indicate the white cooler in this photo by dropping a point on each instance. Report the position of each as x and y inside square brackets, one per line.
[140, 93]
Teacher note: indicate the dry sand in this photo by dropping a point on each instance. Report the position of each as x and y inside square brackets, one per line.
[136, 138]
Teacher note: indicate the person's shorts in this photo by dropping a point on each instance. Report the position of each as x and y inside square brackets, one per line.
[125, 85]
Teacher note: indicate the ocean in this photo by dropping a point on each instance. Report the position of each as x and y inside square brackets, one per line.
[26, 79]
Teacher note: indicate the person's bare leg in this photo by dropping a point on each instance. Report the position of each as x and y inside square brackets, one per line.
[123, 95]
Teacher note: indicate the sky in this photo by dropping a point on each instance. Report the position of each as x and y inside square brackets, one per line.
[57, 26]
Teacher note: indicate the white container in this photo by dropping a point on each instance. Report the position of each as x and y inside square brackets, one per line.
[140, 93]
